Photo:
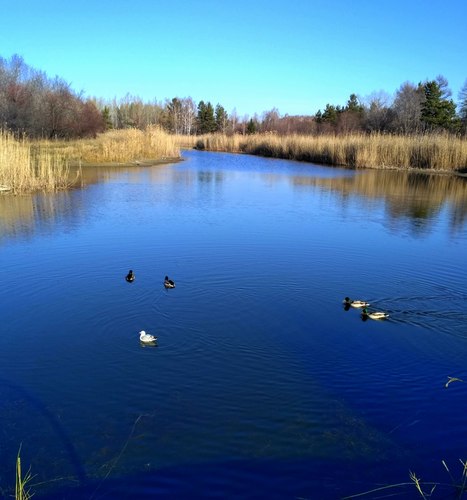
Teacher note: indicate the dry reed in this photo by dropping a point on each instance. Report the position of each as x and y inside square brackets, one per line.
[120, 146]
[426, 151]
[27, 166]
[24, 168]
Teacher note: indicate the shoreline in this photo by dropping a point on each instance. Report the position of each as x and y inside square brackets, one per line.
[76, 166]
[420, 170]
[424, 152]
[134, 163]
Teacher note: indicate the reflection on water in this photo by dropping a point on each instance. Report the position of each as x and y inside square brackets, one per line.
[415, 196]
[23, 214]
[409, 196]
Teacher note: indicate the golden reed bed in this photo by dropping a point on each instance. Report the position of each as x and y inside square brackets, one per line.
[27, 166]
[426, 151]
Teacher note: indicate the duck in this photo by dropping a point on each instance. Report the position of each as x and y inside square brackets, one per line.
[355, 303]
[130, 277]
[146, 338]
[374, 314]
[168, 283]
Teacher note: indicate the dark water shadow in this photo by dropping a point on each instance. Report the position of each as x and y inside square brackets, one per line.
[33, 402]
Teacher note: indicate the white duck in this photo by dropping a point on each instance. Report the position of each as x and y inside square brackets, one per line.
[146, 337]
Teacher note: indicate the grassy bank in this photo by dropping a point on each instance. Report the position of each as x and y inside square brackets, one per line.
[119, 146]
[428, 151]
[27, 166]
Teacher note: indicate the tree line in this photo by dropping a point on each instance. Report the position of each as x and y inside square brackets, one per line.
[34, 104]
[39, 106]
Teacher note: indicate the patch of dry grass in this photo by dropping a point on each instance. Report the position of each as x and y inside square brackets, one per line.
[25, 169]
[427, 151]
[120, 146]
[27, 166]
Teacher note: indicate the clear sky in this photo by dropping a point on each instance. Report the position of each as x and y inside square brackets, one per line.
[251, 55]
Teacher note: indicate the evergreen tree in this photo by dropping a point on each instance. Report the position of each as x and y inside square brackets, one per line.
[330, 114]
[221, 119]
[106, 118]
[174, 111]
[251, 127]
[205, 119]
[436, 111]
[353, 105]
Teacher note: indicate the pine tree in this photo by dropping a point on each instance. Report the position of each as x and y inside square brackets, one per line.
[330, 114]
[353, 105]
[251, 127]
[436, 111]
[106, 118]
[205, 119]
[174, 110]
[221, 119]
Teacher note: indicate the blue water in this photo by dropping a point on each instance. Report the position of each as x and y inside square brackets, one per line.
[261, 384]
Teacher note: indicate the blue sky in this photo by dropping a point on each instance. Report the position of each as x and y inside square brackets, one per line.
[295, 55]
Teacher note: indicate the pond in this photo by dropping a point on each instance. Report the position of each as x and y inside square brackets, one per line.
[261, 384]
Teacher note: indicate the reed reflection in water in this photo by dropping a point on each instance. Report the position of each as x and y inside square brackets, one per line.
[416, 196]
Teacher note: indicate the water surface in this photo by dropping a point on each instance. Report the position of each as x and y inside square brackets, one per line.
[261, 384]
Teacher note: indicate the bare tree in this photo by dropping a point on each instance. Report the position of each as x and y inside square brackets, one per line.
[378, 114]
[189, 112]
[407, 108]
[463, 106]
[443, 86]
[270, 120]
[234, 119]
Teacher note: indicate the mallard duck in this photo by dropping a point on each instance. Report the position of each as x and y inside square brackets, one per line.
[168, 283]
[146, 337]
[374, 314]
[355, 303]
[130, 277]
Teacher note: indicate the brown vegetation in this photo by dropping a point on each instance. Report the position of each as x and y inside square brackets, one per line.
[424, 151]
[24, 168]
[27, 166]
[119, 146]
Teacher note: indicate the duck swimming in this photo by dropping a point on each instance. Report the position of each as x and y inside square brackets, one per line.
[146, 338]
[168, 283]
[130, 277]
[355, 303]
[374, 314]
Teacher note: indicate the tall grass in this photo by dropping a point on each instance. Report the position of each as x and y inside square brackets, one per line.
[27, 166]
[425, 151]
[24, 168]
[21, 488]
[120, 146]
